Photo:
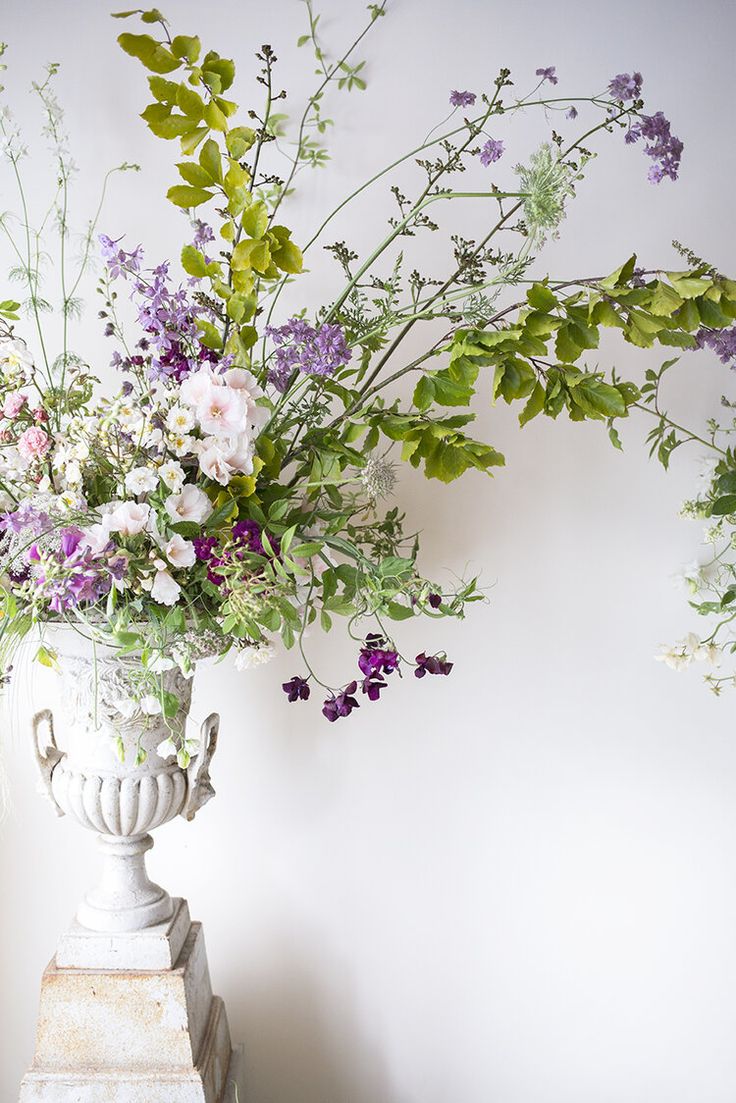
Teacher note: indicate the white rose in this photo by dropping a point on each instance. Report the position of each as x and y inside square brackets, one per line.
[165, 589]
[180, 552]
[141, 480]
[191, 504]
[129, 518]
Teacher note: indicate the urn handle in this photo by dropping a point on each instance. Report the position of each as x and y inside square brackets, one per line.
[199, 785]
[47, 754]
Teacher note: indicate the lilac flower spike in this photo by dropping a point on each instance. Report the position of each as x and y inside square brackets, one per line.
[462, 99]
[308, 349]
[491, 151]
[550, 74]
[626, 86]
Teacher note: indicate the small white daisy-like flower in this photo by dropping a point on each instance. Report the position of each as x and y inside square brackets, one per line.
[179, 419]
[172, 475]
[182, 444]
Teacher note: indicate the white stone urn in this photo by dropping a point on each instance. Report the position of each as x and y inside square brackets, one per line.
[118, 796]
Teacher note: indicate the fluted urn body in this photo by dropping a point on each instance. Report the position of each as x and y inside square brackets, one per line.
[100, 762]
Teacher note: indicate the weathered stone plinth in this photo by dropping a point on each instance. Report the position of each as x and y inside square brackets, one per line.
[115, 1033]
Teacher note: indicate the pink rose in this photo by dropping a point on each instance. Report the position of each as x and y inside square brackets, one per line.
[13, 404]
[40, 414]
[33, 443]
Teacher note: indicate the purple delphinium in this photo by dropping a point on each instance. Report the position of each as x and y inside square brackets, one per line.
[341, 704]
[662, 145]
[572, 113]
[462, 99]
[491, 151]
[118, 261]
[721, 341]
[626, 86]
[549, 73]
[297, 688]
[431, 664]
[319, 350]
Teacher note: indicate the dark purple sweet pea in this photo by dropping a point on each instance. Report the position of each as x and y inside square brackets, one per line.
[549, 73]
[375, 658]
[435, 600]
[372, 686]
[431, 664]
[341, 704]
[462, 99]
[296, 689]
[626, 86]
[491, 151]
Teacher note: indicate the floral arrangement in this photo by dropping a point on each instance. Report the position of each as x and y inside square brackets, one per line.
[233, 488]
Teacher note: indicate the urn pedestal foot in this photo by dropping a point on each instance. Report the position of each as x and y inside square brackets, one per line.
[131, 1034]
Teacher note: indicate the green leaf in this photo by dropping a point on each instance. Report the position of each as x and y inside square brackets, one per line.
[541, 298]
[239, 140]
[598, 399]
[164, 90]
[150, 53]
[688, 287]
[214, 117]
[288, 257]
[621, 276]
[190, 102]
[194, 174]
[665, 300]
[251, 254]
[724, 506]
[186, 47]
[193, 262]
[185, 196]
[255, 219]
[424, 393]
[210, 160]
[534, 405]
[191, 140]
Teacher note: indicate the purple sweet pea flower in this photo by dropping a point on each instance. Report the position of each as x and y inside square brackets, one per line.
[550, 74]
[70, 541]
[297, 689]
[372, 686]
[435, 600]
[462, 99]
[491, 151]
[431, 664]
[341, 704]
[375, 658]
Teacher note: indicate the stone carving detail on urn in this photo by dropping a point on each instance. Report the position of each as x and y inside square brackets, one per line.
[99, 778]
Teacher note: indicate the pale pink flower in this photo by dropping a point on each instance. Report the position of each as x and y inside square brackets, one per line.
[243, 381]
[222, 412]
[13, 404]
[197, 386]
[213, 464]
[165, 589]
[180, 552]
[33, 443]
[129, 518]
[191, 504]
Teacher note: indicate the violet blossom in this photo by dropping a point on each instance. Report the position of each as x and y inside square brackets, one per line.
[491, 151]
[626, 86]
[663, 147]
[462, 99]
[721, 341]
[311, 350]
[549, 73]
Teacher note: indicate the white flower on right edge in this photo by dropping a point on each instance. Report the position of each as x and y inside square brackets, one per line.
[691, 649]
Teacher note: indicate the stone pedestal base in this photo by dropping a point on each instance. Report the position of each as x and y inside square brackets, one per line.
[130, 1034]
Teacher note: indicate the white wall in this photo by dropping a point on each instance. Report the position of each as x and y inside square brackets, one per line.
[516, 885]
